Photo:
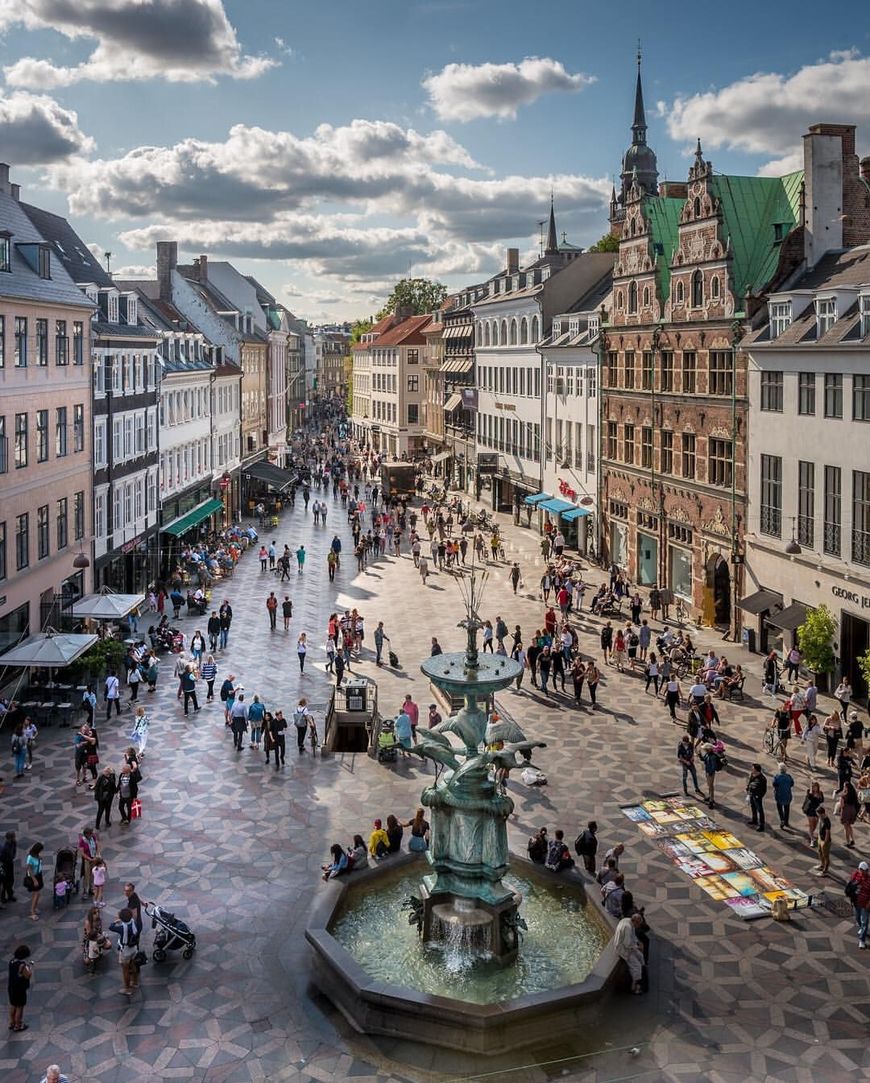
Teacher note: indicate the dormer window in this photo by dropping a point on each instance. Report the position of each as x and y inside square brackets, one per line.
[865, 316]
[826, 315]
[5, 251]
[594, 326]
[112, 307]
[132, 310]
[44, 261]
[780, 317]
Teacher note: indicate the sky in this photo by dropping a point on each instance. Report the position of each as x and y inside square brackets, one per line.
[332, 148]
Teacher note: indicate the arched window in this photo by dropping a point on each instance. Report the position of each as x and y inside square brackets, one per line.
[631, 228]
[714, 287]
[632, 297]
[513, 332]
[697, 207]
[534, 331]
[479, 336]
[679, 293]
[503, 337]
[486, 334]
[495, 332]
[646, 297]
[697, 290]
[524, 331]
[619, 300]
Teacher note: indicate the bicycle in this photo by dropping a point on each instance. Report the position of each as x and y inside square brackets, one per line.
[681, 613]
[313, 739]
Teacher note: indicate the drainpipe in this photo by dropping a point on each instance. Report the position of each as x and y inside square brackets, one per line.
[656, 485]
[601, 350]
[736, 335]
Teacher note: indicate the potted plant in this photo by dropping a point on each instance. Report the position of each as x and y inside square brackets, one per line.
[815, 638]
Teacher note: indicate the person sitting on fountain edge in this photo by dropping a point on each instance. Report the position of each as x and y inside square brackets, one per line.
[538, 846]
[379, 843]
[558, 854]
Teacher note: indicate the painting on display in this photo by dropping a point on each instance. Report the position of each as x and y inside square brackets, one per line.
[714, 859]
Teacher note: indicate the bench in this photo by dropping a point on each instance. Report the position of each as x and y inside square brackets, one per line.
[736, 689]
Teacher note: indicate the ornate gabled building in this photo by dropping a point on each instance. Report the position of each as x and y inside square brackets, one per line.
[695, 259]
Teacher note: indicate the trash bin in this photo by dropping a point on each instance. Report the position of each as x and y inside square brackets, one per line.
[748, 638]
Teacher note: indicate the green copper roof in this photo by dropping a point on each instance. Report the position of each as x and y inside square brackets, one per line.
[752, 209]
[663, 215]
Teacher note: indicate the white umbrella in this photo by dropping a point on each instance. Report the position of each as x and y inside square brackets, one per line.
[50, 649]
[106, 605]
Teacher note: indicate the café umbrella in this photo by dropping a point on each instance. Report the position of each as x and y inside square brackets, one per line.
[107, 605]
[48, 649]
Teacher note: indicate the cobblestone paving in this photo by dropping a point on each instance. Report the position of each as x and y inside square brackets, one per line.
[235, 847]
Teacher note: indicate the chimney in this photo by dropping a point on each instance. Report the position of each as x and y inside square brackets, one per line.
[513, 260]
[823, 173]
[5, 186]
[203, 269]
[167, 260]
[15, 192]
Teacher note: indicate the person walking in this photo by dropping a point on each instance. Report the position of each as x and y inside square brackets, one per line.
[848, 806]
[33, 879]
[128, 791]
[824, 842]
[272, 609]
[843, 693]
[515, 576]
[783, 784]
[208, 672]
[256, 714]
[7, 867]
[19, 750]
[811, 736]
[606, 640]
[278, 734]
[239, 720]
[412, 710]
[128, 930]
[673, 695]
[380, 636]
[302, 650]
[756, 787]
[300, 559]
[301, 718]
[105, 789]
[188, 687]
[712, 764]
[20, 973]
[686, 760]
[134, 678]
[652, 673]
[858, 893]
[287, 612]
[593, 676]
[112, 694]
[225, 615]
[629, 950]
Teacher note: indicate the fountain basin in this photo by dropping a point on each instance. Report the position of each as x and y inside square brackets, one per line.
[372, 966]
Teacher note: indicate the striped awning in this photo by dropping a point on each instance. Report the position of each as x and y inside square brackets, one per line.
[457, 364]
[452, 402]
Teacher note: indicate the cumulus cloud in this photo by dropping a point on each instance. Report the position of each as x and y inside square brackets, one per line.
[255, 172]
[35, 130]
[175, 40]
[766, 113]
[469, 91]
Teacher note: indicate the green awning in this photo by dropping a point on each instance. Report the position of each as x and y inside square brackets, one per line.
[193, 518]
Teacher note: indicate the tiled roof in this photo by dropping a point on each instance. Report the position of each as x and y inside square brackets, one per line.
[22, 281]
[849, 268]
[409, 330]
[122, 330]
[68, 246]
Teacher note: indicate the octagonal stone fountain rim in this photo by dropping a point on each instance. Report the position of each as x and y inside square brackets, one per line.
[377, 1007]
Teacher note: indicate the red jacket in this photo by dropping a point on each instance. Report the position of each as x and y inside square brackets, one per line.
[862, 879]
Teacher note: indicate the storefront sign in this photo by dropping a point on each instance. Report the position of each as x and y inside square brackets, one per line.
[566, 490]
[862, 600]
[487, 462]
[129, 546]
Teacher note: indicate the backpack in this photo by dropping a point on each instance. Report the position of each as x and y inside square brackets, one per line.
[715, 761]
[300, 718]
[851, 890]
[554, 854]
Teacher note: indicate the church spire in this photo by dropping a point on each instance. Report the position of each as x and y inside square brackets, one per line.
[552, 241]
[638, 127]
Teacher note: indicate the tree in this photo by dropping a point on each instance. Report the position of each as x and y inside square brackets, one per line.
[419, 294]
[815, 637]
[359, 328]
[864, 665]
[608, 243]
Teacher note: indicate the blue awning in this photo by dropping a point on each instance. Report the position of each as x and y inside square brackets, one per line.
[537, 498]
[575, 513]
[555, 505]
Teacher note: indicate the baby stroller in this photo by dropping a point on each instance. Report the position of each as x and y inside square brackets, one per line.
[394, 659]
[65, 871]
[387, 744]
[171, 934]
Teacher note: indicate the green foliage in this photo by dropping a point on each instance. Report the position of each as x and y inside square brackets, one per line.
[419, 294]
[608, 243]
[359, 328]
[814, 639]
[864, 665]
[105, 654]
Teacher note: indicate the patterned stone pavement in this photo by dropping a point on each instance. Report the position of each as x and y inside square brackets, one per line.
[236, 847]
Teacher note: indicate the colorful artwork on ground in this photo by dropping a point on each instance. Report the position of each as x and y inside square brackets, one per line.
[716, 860]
